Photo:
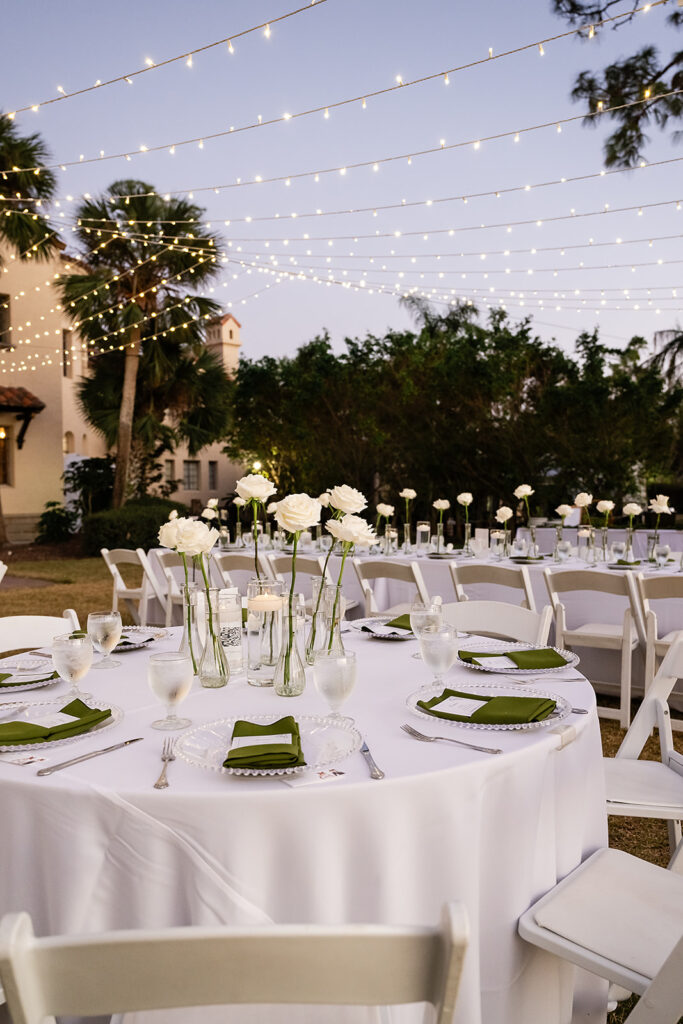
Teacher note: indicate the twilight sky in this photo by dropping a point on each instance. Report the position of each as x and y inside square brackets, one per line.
[340, 49]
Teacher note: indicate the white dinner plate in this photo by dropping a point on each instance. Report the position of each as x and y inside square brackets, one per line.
[492, 646]
[562, 710]
[324, 741]
[46, 706]
[139, 636]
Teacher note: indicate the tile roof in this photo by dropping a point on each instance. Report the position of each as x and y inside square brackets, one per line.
[19, 400]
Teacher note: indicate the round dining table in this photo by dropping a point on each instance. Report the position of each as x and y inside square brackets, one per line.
[96, 847]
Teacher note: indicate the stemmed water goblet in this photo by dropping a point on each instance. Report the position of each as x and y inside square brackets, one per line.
[72, 658]
[334, 675]
[439, 651]
[104, 629]
[618, 550]
[661, 553]
[170, 676]
[425, 617]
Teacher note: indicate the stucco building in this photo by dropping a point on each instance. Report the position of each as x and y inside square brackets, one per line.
[41, 361]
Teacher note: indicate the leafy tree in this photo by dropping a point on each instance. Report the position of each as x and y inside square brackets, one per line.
[136, 287]
[645, 75]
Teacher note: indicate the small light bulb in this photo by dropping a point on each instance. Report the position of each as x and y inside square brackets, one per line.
[541, 50]
[266, 31]
[189, 61]
[446, 79]
[231, 48]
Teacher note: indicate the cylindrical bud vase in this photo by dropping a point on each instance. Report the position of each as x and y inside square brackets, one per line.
[214, 670]
[264, 630]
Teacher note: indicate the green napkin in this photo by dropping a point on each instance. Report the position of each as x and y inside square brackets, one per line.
[15, 680]
[622, 561]
[496, 710]
[544, 657]
[83, 719]
[125, 642]
[400, 622]
[266, 755]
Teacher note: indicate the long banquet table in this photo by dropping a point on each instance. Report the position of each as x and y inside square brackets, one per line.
[96, 847]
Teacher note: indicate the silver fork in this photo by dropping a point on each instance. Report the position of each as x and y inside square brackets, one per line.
[166, 756]
[449, 739]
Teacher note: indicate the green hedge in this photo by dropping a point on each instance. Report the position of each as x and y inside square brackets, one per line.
[136, 525]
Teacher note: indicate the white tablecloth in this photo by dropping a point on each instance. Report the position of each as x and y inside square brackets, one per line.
[96, 847]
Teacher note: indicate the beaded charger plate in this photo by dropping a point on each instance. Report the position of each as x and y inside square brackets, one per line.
[562, 707]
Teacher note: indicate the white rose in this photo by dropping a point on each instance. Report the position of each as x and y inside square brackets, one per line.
[441, 504]
[209, 513]
[173, 514]
[240, 502]
[324, 499]
[564, 510]
[297, 512]
[631, 509]
[168, 533]
[465, 498]
[255, 487]
[583, 500]
[272, 508]
[604, 506]
[408, 492]
[347, 499]
[212, 503]
[352, 530]
[503, 514]
[660, 505]
[385, 510]
[523, 491]
[194, 537]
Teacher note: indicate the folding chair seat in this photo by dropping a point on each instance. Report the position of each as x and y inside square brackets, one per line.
[620, 918]
[498, 619]
[591, 632]
[369, 571]
[342, 965]
[512, 577]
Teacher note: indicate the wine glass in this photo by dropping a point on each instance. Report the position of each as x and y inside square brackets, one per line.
[439, 651]
[334, 675]
[72, 658]
[170, 678]
[618, 550]
[104, 629]
[519, 546]
[564, 550]
[425, 617]
[661, 553]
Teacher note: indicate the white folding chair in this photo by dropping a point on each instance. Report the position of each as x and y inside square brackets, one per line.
[134, 598]
[499, 619]
[651, 789]
[229, 562]
[403, 572]
[513, 577]
[3, 570]
[651, 589]
[622, 637]
[620, 918]
[346, 965]
[21, 631]
[173, 595]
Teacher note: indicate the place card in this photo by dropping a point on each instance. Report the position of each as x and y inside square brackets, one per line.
[52, 719]
[21, 759]
[462, 706]
[502, 661]
[261, 741]
[312, 778]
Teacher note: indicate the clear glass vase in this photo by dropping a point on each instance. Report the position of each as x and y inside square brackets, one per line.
[316, 631]
[214, 670]
[239, 542]
[190, 643]
[334, 607]
[558, 541]
[290, 675]
[440, 545]
[407, 545]
[603, 554]
[652, 542]
[467, 543]
[230, 615]
[628, 553]
[264, 630]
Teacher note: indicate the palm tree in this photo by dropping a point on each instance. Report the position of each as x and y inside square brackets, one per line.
[141, 253]
[29, 236]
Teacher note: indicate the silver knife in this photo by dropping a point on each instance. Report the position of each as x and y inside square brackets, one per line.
[375, 772]
[86, 757]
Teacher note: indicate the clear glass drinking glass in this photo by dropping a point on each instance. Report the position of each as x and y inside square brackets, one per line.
[497, 542]
[618, 550]
[334, 675]
[439, 651]
[72, 658]
[425, 618]
[564, 550]
[519, 546]
[422, 535]
[104, 629]
[170, 676]
[661, 553]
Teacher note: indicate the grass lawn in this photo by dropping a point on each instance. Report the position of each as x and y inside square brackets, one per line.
[86, 585]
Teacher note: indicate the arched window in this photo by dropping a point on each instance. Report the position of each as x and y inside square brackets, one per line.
[68, 443]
